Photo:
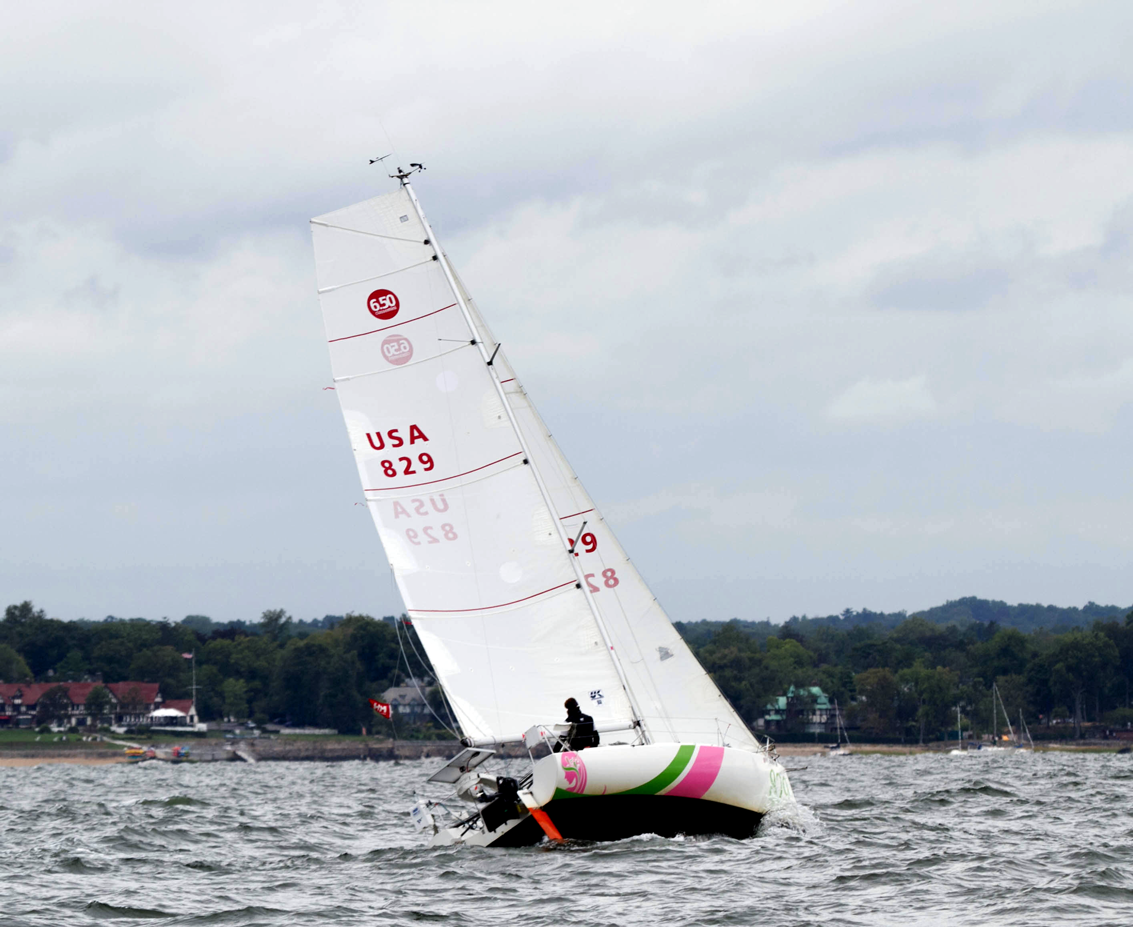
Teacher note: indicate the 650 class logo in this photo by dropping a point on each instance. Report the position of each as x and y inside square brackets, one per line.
[397, 350]
[383, 304]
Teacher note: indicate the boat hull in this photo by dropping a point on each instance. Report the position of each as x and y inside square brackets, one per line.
[611, 793]
[617, 817]
[739, 778]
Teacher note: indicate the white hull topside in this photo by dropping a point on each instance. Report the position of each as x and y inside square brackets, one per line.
[618, 791]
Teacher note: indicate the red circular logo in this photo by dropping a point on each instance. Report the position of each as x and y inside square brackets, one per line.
[383, 304]
[397, 349]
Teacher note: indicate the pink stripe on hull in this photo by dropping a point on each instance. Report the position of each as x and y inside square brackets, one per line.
[703, 772]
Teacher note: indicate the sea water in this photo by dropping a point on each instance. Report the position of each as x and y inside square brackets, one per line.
[874, 840]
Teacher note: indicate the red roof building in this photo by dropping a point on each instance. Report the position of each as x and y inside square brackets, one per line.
[131, 702]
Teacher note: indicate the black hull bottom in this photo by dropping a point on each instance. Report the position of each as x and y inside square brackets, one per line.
[616, 817]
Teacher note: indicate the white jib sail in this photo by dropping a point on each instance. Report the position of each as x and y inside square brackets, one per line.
[466, 527]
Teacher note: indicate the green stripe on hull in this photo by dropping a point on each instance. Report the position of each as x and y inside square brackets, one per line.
[668, 776]
[663, 780]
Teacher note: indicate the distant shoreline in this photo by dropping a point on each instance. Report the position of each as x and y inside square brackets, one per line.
[390, 751]
[1081, 746]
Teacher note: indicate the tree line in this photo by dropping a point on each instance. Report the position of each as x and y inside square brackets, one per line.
[896, 676]
[906, 680]
[318, 673]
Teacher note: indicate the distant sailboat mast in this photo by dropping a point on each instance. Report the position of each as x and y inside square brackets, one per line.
[996, 694]
[567, 541]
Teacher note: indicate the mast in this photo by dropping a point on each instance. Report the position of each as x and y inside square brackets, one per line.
[193, 661]
[1006, 717]
[580, 578]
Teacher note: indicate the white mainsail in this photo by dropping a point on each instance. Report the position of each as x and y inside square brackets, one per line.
[474, 503]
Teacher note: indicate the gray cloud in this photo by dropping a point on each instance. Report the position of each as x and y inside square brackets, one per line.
[696, 236]
[932, 284]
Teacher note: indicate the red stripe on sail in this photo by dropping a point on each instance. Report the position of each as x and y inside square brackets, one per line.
[388, 327]
[575, 515]
[444, 478]
[484, 608]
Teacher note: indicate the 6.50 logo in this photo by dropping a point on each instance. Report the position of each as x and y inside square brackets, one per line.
[383, 304]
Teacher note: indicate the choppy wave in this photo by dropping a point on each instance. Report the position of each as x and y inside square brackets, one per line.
[872, 840]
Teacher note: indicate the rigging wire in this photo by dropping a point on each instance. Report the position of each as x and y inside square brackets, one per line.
[421, 660]
[389, 138]
[413, 679]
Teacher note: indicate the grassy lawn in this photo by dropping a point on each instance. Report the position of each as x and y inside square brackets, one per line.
[29, 738]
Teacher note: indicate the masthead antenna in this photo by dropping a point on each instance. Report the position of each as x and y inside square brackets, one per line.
[401, 175]
[378, 160]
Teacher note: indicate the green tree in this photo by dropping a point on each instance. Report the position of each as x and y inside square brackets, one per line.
[1013, 691]
[275, 624]
[54, 706]
[210, 694]
[43, 642]
[72, 667]
[1082, 661]
[165, 666]
[22, 615]
[877, 700]
[734, 661]
[375, 644]
[256, 661]
[112, 659]
[202, 624]
[319, 678]
[1006, 654]
[12, 666]
[925, 697]
[786, 663]
[99, 704]
[1122, 637]
[235, 693]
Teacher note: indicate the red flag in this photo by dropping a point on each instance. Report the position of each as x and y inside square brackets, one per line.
[381, 708]
[187, 656]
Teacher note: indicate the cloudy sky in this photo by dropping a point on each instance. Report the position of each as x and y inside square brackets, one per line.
[828, 304]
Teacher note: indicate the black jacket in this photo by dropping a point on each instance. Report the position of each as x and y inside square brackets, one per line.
[582, 733]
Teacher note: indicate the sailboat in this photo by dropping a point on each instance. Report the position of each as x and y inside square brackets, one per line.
[1029, 746]
[515, 584]
[842, 747]
[1015, 741]
[960, 749]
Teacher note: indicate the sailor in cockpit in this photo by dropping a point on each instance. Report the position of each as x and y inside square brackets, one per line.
[581, 733]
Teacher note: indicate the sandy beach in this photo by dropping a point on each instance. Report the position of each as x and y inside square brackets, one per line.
[74, 760]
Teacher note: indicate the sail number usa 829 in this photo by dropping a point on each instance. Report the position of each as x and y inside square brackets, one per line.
[404, 466]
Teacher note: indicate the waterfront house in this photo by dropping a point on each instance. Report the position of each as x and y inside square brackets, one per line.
[806, 709]
[407, 700]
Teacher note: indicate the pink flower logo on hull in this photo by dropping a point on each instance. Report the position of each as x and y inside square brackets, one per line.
[574, 771]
